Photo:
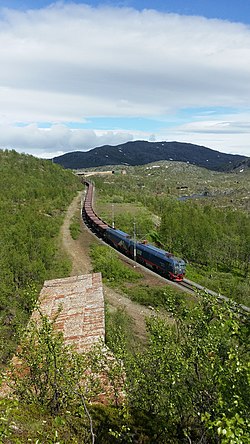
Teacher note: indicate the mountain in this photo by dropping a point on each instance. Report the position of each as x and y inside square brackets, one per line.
[142, 152]
[239, 165]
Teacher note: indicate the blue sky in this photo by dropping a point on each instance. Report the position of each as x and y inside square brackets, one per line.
[232, 10]
[76, 75]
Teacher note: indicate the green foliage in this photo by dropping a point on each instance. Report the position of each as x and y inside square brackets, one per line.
[127, 217]
[50, 372]
[34, 195]
[230, 430]
[75, 228]
[159, 297]
[212, 232]
[227, 283]
[207, 235]
[57, 384]
[112, 425]
[114, 271]
[192, 382]
[119, 328]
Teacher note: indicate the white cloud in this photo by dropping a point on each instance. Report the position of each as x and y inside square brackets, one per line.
[217, 127]
[58, 139]
[66, 63]
[228, 133]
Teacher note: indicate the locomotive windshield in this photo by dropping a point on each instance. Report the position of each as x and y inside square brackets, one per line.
[179, 267]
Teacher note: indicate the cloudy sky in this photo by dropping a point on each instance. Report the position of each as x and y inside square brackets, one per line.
[76, 75]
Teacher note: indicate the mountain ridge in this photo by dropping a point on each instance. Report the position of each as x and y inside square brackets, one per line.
[142, 152]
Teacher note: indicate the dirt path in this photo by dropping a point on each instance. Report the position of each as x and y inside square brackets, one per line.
[78, 251]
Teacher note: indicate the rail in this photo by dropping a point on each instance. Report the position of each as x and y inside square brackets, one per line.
[186, 283]
[190, 286]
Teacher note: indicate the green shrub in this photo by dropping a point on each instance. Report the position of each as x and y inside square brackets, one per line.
[161, 297]
[114, 271]
[34, 196]
[75, 228]
[119, 325]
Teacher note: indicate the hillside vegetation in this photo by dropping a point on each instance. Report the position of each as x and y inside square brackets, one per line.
[34, 195]
[188, 381]
[210, 230]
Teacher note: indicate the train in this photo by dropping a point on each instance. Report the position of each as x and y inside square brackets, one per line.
[158, 260]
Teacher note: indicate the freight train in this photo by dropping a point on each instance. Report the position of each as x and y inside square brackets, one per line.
[146, 254]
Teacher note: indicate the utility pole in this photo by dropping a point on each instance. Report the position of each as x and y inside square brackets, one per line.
[113, 216]
[134, 243]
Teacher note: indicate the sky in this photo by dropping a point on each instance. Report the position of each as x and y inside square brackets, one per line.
[75, 75]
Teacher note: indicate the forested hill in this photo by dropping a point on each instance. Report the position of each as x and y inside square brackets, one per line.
[142, 152]
[33, 196]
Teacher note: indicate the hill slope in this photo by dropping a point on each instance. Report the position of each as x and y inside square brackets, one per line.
[142, 152]
[34, 195]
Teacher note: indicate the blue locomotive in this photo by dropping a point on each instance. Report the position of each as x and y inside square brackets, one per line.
[146, 254]
[152, 257]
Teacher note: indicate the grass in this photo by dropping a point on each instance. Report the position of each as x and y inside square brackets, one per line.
[225, 189]
[21, 424]
[114, 271]
[119, 326]
[75, 228]
[157, 297]
[127, 217]
[231, 284]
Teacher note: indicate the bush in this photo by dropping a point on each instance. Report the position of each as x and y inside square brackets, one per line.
[75, 228]
[161, 297]
[106, 261]
[34, 195]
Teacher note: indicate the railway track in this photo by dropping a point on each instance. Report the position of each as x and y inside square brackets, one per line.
[199, 288]
[185, 285]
